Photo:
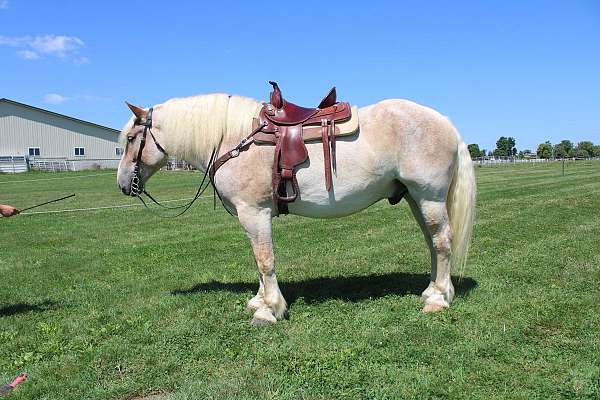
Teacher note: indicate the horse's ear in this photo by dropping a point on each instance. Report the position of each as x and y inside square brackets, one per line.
[139, 112]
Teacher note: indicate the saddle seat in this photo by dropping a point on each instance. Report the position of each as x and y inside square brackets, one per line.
[281, 111]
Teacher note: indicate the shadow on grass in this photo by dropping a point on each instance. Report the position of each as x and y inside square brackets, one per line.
[353, 288]
[21, 308]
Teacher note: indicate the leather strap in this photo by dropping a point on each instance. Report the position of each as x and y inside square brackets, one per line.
[326, 154]
[242, 146]
[332, 132]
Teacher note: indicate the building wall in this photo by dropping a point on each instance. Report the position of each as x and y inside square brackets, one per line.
[57, 137]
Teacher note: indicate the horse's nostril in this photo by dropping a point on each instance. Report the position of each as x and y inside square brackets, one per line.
[123, 190]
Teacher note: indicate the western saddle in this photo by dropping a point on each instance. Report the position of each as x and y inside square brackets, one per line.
[288, 126]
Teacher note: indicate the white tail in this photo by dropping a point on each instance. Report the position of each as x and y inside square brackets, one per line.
[461, 207]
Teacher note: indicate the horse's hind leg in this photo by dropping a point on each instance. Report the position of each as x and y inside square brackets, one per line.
[269, 304]
[433, 219]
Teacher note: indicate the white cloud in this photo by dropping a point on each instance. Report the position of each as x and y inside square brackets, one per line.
[80, 60]
[54, 98]
[28, 54]
[57, 45]
[3, 4]
[33, 47]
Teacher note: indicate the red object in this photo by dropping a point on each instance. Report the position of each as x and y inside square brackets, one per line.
[6, 389]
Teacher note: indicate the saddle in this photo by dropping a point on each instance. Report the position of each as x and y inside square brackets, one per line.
[288, 126]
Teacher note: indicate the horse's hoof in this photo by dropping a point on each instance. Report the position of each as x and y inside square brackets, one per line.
[261, 322]
[432, 308]
[253, 305]
[263, 317]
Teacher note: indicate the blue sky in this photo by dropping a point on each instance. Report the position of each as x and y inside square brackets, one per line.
[505, 68]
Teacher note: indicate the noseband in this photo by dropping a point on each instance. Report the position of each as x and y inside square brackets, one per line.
[136, 187]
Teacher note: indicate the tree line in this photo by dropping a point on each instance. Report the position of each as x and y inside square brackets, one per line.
[506, 147]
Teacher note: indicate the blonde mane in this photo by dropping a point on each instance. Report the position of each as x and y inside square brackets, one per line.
[193, 126]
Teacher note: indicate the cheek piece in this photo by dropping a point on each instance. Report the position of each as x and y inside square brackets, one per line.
[136, 185]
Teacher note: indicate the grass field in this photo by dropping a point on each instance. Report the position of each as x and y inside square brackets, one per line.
[120, 304]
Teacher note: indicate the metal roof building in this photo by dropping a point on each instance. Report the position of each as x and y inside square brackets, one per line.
[41, 137]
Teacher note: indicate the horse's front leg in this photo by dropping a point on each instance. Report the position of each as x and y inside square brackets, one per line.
[269, 304]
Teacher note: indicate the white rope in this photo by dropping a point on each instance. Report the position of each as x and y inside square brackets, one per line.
[104, 207]
[59, 178]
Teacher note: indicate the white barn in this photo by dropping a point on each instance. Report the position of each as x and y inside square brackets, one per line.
[38, 138]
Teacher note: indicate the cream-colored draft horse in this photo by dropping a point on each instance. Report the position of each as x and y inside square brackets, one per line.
[400, 145]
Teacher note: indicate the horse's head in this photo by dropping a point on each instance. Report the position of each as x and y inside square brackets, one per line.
[143, 154]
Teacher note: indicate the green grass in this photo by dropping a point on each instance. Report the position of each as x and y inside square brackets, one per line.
[114, 304]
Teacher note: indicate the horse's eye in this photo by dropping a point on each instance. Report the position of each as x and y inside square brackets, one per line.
[130, 139]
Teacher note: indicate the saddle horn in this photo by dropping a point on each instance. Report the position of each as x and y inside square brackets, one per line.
[276, 100]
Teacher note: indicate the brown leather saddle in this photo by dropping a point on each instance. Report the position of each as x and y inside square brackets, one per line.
[288, 126]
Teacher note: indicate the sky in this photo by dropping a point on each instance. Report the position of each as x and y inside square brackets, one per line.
[527, 69]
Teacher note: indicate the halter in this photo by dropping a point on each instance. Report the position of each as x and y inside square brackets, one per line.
[136, 189]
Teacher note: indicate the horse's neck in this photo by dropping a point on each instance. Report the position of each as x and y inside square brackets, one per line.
[209, 123]
[183, 145]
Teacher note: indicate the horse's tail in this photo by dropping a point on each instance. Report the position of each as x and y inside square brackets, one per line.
[461, 207]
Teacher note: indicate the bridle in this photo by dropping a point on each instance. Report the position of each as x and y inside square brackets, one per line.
[137, 189]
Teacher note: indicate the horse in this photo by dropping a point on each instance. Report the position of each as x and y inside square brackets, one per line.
[400, 148]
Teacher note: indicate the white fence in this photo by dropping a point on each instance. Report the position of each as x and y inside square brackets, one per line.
[13, 164]
[510, 160]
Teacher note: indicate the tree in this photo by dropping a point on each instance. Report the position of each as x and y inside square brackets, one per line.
[505, 147]
[567, 144]
[582, 153]
[544, 150]
[474, 150]
[597, 151]
[587, 146]
[560, 151]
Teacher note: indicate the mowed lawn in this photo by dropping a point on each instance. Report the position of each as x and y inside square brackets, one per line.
[122, 304]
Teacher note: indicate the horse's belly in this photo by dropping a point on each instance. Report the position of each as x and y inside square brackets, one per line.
[356, 184]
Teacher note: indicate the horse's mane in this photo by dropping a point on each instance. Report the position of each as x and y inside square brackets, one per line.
[194, 126]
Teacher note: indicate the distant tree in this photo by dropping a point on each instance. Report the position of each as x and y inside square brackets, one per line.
[505, 147]
[571, 153]
[474, 150]
[560, 151]
[483, 152]
[582, 153]
[587, 146]
[521, 155]
[597, 151]
[544, 150]
[567, 144]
